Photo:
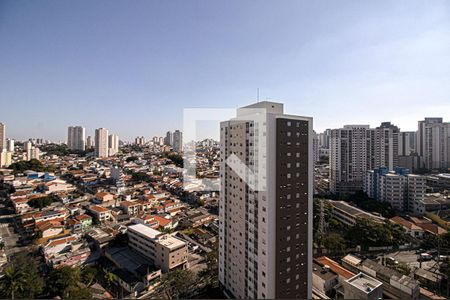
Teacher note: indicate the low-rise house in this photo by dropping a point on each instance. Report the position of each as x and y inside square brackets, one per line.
[102, 197]
[100, 213]
[49, 228]
[349, 215]
[410, 228]
[131, 208]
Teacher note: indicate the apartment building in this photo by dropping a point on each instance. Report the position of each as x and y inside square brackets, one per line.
[113, 144]
[76, 138]
[177, 141]
[166, 252]
[357, 148]
[433, 143]
[2, 136]
[101, 142]
[265, 218]
[407, 143]
[404, 191]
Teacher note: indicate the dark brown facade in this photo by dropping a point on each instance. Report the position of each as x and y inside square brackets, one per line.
[292, 181]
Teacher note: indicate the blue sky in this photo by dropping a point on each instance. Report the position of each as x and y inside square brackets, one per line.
[132, 66]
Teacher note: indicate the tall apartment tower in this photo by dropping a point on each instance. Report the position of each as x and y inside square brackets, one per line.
[2, 136]
[89, 142]
[265, 228]
[10, 145]
[383, 146]
[433, 143]
[407, 143]
[168, 140]
[177, 141]
[101, 142]
[348, 158]
[76, 138]
[113, 144]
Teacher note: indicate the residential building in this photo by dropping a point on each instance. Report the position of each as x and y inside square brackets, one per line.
[433, 143]
[265, 215]
[362, 286]
[100, 213]
[165, 251]
[89, 142]
[168, 140]
[348, 158]
[2, 136]
[407, 143]
[139, 141]
[76, 138]
[10, 145]
[177, 141]
[5, 158]
[113, 144]
[101, 142]
[349, 215]
[402, 190]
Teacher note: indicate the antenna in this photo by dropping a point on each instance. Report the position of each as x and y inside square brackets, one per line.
[257, 95]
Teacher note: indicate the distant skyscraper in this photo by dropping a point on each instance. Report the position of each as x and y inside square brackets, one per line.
[76, 138]
[355, 149]
[2, 136]
[177, 141]
[407, 143]
[433, 143]
[140, 140]
[101, 142]
[89, 142]
[168, 140]
[10, 145]
[113, 144]
[265, 235]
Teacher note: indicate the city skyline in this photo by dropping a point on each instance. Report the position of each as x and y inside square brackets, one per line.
[139, 66]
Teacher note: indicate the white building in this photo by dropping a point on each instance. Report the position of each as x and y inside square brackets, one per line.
[265, 228]
[433, 143]
[5, 158]
[113, 143]
[168, 140]
[407, 143]
[167, 252]
[76, 138]
[101, 142]
[10, 145]
[355, 149]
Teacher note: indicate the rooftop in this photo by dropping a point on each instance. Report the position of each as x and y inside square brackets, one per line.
[364, 282]
[145, 230]
[171, 242]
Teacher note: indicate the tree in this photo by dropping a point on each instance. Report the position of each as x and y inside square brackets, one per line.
[178, 284]
[13, 282]
[110, 278]
[21, 279]
[334, 243]
[41, 202]
[210, 274]
[60, 281]
[88, 275]
[132, 158]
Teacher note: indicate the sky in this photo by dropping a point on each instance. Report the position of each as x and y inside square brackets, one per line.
[133, 66]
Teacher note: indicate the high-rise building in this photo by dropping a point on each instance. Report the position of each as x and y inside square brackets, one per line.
[113, 144]
[316, 153]
[5, 158]
[382, 148]
[168, 140]
[89, 142]
[404, 191]
[348, 158]
[433, 143]
[10, 145]
[177, 141]
[324, 139]
[407, 143]
[2, 136]
[265, 231]
[76, 138]
[140, 140]
[101, 142]
[355, 149]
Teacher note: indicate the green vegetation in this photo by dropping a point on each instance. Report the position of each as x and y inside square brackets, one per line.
[132, 158]
[42, 202]
[176, 159]
[178, 284]
[21, 279]
[210, 274]
[334, 243]
[22, 166]
[141, 177]
[367, 234]
[63, 282]
[60, 150]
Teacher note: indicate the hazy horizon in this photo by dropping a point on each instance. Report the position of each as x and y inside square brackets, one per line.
[132, 67]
